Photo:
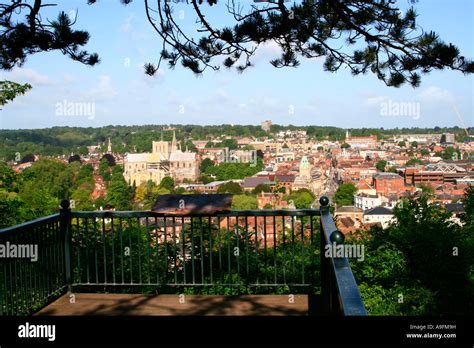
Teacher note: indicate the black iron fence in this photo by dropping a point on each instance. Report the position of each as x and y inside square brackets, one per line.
[238, 252]
[32, 266]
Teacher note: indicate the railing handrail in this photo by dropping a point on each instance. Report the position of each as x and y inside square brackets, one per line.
[349, 299]
[230, 213]
[37, 222]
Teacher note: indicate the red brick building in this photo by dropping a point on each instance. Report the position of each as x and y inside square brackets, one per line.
[389, 183]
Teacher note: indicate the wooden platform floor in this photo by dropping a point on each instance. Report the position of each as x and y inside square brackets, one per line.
[136, 304]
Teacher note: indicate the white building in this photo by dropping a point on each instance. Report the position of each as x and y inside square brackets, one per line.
[366, 201]
[381, 215]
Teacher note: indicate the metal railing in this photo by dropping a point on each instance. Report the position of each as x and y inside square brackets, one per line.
[237, 252]
[32, 266]
[251, 248]
[339, 293]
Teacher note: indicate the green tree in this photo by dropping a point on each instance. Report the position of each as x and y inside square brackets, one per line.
[244, 202]
[381, 165]
[11, 208]
[206, 164]
[141, 192]
[229, 143]
[429, 239]
[345, 194]
[424, 256]
[450, 153]
[180, 190]
[228, 171]
[424, 152]
[302, 199]
[379, 39]
[413, 162]
[8, 178]
[384, 40]
[45, 175]
[100, 202]
[40, 201]
[279, 189]
[188, 144]
[261, 188]
[392, 169]
[82, 197]
[119, 194]
[468, 203]
[205, 179]
[82, 151]
[210, 145]
[10, 204]
[10, 90]
[104, 169]
[230, 187]
[167, 183]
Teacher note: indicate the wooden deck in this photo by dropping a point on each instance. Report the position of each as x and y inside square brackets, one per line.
[136, 304]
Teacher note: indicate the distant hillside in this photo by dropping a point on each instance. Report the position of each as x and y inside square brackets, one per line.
[64, 140]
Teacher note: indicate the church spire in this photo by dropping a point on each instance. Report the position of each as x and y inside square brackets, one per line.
[173, 142]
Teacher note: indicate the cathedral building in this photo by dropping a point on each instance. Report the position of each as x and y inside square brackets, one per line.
[165, 159]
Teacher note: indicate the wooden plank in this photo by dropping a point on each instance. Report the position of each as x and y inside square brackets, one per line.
[136, 304]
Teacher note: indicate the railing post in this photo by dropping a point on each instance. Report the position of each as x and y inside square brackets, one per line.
[65, 226]
[325, 266]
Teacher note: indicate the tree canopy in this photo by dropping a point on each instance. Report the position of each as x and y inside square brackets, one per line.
[167, 183]
[230, 187]
[345, 194]
[419, 265]
[9, 90]
[364, 36]
[380, 165]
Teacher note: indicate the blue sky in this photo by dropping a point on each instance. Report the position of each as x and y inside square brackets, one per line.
[307, 95]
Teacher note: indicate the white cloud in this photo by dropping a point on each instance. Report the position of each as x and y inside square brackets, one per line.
[30, 76]
[220, 96]
[267, 51]
[133, 32]
[69, 78]
[435, 94]
[127, 26]
[375, 100]
[104, 91]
